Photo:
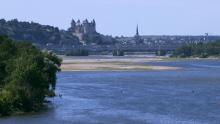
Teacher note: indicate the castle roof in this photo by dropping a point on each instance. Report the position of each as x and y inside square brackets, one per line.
[73, 21]
[78, 21]
[86, 21]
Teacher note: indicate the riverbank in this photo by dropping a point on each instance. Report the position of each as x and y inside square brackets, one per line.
[110, 63]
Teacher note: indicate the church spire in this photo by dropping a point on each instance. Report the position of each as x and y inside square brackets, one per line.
[137, 31]
[137, 37]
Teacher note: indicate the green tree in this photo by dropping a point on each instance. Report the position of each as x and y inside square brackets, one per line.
[27, 76]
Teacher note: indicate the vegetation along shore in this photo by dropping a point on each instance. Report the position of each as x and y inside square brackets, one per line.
[27, 76]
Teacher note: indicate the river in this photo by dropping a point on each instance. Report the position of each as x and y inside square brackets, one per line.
[187, 96]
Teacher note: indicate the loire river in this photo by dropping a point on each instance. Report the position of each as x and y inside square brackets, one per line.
[187, 96]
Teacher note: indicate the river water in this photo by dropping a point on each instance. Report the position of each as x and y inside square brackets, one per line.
[187, 96]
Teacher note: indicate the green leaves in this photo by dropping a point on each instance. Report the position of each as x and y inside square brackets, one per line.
[26, 73]
[6, 101]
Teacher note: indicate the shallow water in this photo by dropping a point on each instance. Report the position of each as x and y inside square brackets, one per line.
[187, 96]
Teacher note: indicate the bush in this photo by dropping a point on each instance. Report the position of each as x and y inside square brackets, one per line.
[28, 76]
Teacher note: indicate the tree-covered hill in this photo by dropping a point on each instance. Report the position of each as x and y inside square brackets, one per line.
[39, 35]
[49, 37]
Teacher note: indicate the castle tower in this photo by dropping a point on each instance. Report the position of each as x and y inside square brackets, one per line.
[81, 29]
[86, 26]
[78, 28]
[85, 21]
[73, 26]
[93, 26]
[78, 22]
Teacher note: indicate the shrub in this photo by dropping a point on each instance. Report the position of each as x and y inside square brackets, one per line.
[28, 76]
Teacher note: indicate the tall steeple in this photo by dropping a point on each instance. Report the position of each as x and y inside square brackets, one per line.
[137, 31]
[137, 37]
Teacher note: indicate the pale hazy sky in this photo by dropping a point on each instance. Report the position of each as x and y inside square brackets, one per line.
[120, 17]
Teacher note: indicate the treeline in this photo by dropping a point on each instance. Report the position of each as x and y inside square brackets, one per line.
[27, 76]
[201, 50]
[78, 52]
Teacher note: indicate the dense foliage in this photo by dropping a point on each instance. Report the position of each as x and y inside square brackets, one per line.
[198, 50]
[27, 76]
[41, 35]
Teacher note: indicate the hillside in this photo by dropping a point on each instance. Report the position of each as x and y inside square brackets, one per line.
[49, 37]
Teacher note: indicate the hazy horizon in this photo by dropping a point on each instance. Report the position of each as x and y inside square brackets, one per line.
[120, 17]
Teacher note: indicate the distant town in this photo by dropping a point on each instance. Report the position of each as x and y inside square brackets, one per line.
[83, 35]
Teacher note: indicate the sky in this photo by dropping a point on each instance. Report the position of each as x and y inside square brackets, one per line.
[120, 17]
